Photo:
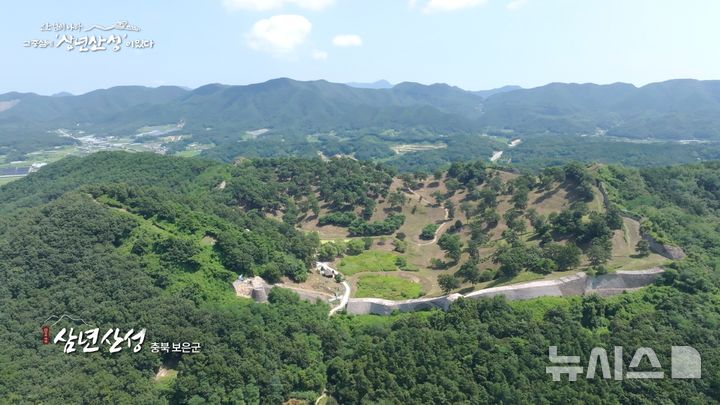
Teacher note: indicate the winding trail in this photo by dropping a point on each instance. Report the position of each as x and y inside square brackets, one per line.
[437, 232]
[346, 294]
[317, 401]
[343, 301]
[440, 228]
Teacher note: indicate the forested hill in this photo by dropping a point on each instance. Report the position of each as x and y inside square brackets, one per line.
[146, 241]
[675, 109]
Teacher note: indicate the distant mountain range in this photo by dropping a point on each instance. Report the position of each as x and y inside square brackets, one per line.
[380, 84]
[675, 109]
[491, 92]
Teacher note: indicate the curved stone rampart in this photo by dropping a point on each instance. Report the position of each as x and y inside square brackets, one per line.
[379, 306]
[577, 284]
[622, 280]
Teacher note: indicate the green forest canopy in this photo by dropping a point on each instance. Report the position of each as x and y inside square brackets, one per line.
[115, 238]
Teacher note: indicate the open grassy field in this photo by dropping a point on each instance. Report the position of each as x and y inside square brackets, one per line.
[194, 149]
[188, 153]
[538, 307]
[8, 179]
[370, 260]
[386, 286]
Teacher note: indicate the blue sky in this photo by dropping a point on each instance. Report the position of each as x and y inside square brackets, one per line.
[474, 44]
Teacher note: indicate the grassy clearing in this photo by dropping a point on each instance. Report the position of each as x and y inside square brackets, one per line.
[6, 180]
[165, 380]
[370, 260]
[624, 250]
[538, 307]
[388, 287]
[149, 128]
[194, 149]
[188, 153]
[42, 156]
[638, 263]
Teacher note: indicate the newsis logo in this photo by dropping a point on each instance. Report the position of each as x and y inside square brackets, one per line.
[685, 363]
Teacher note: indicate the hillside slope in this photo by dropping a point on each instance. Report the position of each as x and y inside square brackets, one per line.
[145, 241]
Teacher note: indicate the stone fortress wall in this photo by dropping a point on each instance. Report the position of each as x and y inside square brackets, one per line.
[577, 284]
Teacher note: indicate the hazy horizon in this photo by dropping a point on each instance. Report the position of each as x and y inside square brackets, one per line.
[471, 44]
[349, 83]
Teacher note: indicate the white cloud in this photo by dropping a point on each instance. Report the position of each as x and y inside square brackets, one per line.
[312, 4]
[516, 5]
[264, 5]
[279, 34]
[259, 5]
[319, 55]
[450, 5]
[347, 40]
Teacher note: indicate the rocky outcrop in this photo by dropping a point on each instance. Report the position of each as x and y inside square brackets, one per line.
[665, 250]
[577, 284]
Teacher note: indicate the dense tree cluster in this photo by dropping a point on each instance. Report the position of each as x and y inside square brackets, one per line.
[343, 184]
[470, 174]
[428, 231]
[387, 226]
[489, 351]
[338, 219]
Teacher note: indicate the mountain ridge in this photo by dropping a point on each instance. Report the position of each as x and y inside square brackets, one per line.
[671, 110]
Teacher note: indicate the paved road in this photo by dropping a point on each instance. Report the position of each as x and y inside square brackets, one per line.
[344, 300]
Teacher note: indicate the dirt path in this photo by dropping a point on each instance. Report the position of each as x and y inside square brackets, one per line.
[320, 398]
[437, 232]
[440, 228]
[344, 300]
[308, 291]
